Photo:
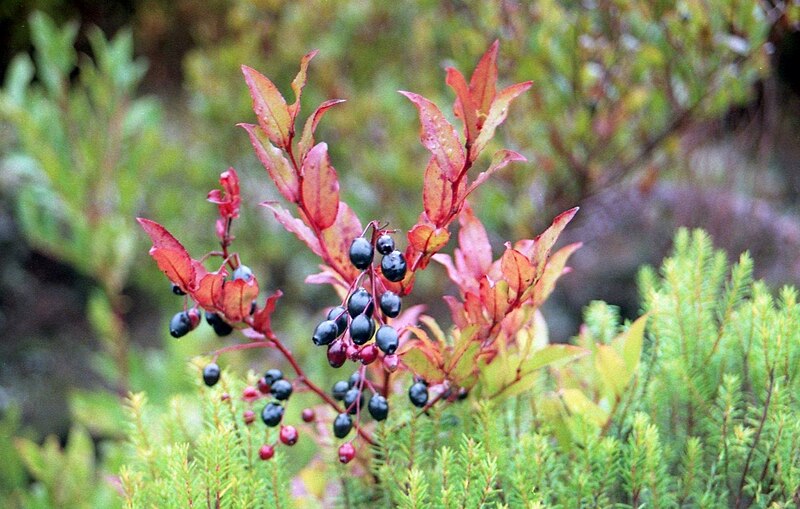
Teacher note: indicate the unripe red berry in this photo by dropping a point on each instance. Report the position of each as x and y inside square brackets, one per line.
[249, 416]
[308, 415]
[352, 352]
[347, 452]
[225, 396]
[194, 317]
[288, 435]
[266, 452]
[337, 354]
[368, 354]
[250, 393]
[263, 386]
[390, 362]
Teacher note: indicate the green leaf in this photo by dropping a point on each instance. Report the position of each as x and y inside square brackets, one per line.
[612, 369]
[577, 403]
[549, 355]
[629, 344]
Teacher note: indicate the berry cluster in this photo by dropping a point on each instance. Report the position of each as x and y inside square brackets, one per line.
[351, 393]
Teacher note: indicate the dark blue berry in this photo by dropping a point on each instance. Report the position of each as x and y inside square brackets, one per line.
[177, 290]
[387, 340]
[180, 324]
[385, 244]
[243, 272]
[393, 266]
[361, 253]
[325, 333]
[340, 388]
[220, 326]
[211, 374]
[272, 375]
[350, 399]
[418, 394]
[360, 301]
[378, 407]
[272, 414]
[390, 304]
[339, 315]
[281, 389]
[354, 380]
[361, 329]
[342, 425]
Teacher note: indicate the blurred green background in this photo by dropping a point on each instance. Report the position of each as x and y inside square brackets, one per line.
[648, 115]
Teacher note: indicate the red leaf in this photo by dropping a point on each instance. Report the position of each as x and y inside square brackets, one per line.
[170, 255]
[464, 107]
[457, 311]
[228, 199]
[294, 225]
[307, 138]
[437, 194]
[474, 243]
[337, 240]
[209, 290]
[262, 319]
[501, 159]
[269, 106]
[517, 270]
[279, 169]
[439, 136]
[320, 188]
[545, 241]
[484, 80]
[554, 269]
[494, 297]
[427, 239]
[298, 83]
[238, 297]
[496, 115]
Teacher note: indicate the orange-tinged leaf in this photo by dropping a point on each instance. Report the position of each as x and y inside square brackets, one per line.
[170, 255]
[457, 312]
[307, 137]
[494, 297]
[420, 363]
[209, 290]
[466, 363]
[320, 187]
[554, 269]
[500, 160]
[473, 239]
[437, 194]
[337, 241]
[545, 241]
[262, 319]
[439, 136]
[294, 225]
[269, 106]
[464, 107]
[517, 270]
[496, 115]
[238, 297]
[299, 82]
[273, 160]
[427, 239]
[462, 341]
[483, 83]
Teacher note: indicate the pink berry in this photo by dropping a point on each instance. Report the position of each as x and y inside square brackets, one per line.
[249, 416]
[352, 352]
[288, 435]
[266, 452]
[390, 362]
[250, 393]
[225, 396]
[347, 452]
[368, 354]
[307, 415]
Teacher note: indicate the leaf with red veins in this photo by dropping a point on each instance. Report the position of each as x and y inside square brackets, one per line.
[227, 199]
[422, 362]
[269, 106]
[517, 270]
[298, 83]
[439, 136]
[496, 116]
[455, 275]
[501, 159]
[473, 308]
[555, 268]
[262, 319]
[319, 188]
[457, 311]
[337, 240]
[408, 318]
[209, 290]
[273, 160]
[473, 239]
[428, 239]
[483, 83]
[495, 298]
[438, 197]
[545, 241]
[307, 137]
[464, 106]
[296, 226]
[170, 255]
[237, 298]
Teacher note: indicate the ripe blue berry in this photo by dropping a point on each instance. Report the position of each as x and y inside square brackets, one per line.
[360, 302]
[339, 315]
[385, 244]
[243, 272]
[180, 324]
[378, 407]
[354, 380]
[418, 394]
[387, 340]
[281, 389]
[342, 425]
[211, 374]
[325, 333]
[390, 304]
[177, 290]
[340, 388]
[361, 253]
[337, 354]
[220, 326]
[272, 375]
[272, 414]
[361, 329]
[393, 266]
[350, 398]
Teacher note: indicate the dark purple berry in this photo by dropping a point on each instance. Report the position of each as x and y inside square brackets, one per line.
[180, 324]
[378, 407]
[393, 266]
[361, 329]
[368, 354]
[339, 315]
[360, 302]
[342, 425]
[337, 354]
[350, 400]
[346, 453]
[418, 394]
[272, 414]
[220, 326]
[211, 374]
[281, 389]
[243, 272]
[177, 290]
[272, 375]
[325, 333]
[340, 388]
[361, 253]
[385, 244]
[390, 304]
[387, 339]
